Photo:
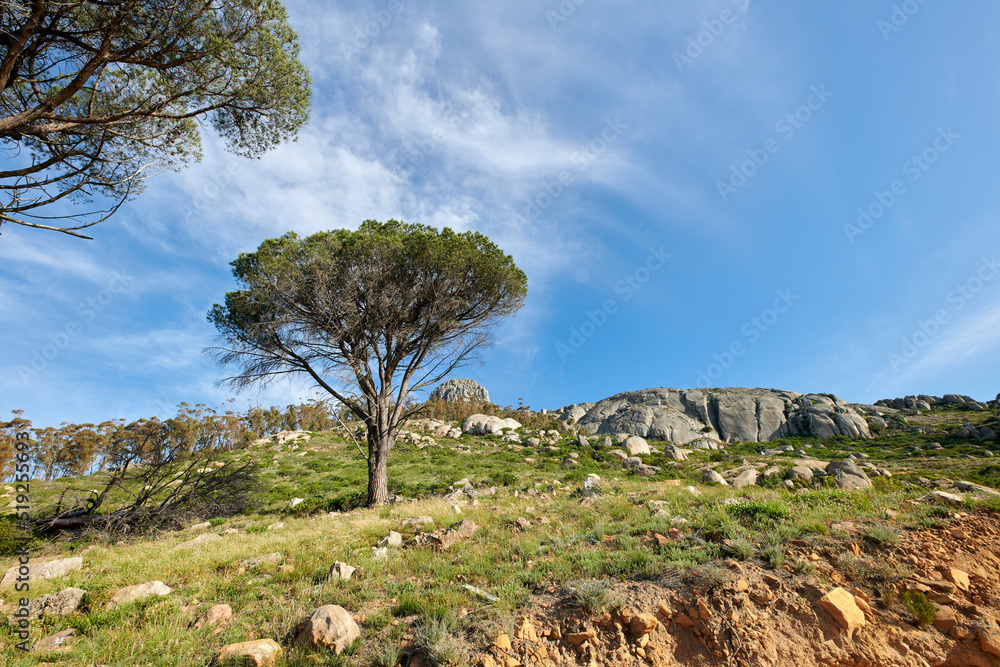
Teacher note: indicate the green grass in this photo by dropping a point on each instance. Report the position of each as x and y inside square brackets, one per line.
[422, 590]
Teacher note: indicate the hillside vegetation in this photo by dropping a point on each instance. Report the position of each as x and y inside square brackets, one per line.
[534, 546]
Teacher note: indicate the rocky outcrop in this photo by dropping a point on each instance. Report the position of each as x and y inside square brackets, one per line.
[460, 389]
[721, 415]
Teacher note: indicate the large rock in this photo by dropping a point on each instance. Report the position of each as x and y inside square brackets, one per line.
[713, 477]
[483, 425]
[745, 478]
[721, 415]
[52, 569]
[258, 653]
[636, 445]
[330, 627]
[137, 592]
[848, 475]
[840, 604]
[460, 389]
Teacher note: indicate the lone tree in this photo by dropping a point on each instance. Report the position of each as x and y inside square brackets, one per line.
[384, 310]
[97, 95]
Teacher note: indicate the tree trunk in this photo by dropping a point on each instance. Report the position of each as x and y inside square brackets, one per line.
[378, 476]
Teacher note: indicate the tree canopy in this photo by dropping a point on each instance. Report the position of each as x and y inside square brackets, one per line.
[97, 95]
[369, 315]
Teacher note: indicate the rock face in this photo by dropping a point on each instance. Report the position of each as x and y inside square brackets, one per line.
[461, 389]
[53, 569]
[721, 415]
[329, 627]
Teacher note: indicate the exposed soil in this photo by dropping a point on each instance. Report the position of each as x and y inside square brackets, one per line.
[747, 615]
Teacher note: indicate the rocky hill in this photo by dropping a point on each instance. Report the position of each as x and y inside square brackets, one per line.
[524, 539]
[724, 415]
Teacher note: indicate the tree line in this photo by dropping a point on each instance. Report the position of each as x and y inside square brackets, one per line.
[72, 450]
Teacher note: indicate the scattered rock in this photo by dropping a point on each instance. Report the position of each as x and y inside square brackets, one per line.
[276, 525]
[295, 502]
[712, 477]
[215, 615]
[63, 603]
[267, 559]
[259, 653]
[957, 577]
[636, 445]
[52, 569]
[445, 537]
[137, 592]
[989, 639]
[803, 473]
[330, 627]
[57, 643]
[201, 539]
[745, 478]
[341, 571]
[393, 539]
[840, 604]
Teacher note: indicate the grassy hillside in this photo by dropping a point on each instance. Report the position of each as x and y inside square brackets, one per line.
[539, 533]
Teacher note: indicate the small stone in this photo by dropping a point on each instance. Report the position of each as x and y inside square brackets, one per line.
[684, 620]
[393, 539]
[57, 643]
[216, 615]
[643, 624]
[341, 571]
[260, 653]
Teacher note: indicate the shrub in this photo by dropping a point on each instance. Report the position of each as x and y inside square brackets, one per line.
[503, 478]
[882, 534]
[759, 512]
[591, 596]
[921, 607]
[773, 551]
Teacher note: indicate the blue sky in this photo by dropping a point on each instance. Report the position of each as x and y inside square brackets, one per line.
[730, 193]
